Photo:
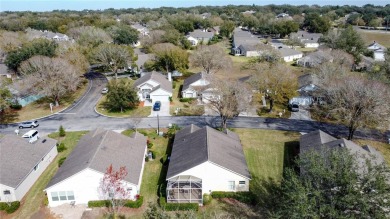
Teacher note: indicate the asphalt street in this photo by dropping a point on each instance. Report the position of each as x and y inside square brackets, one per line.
[82, 116]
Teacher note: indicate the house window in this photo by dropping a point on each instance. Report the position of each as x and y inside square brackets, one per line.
[36, 167]
[231, 185]
[129, 189]
[54, 196]
[70, 195]
[7, 192]
[241, 183]
[62, 196]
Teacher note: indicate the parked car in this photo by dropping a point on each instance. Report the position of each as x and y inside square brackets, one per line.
[105, 90]
[31, 124]
[157, 106]
[294, 106]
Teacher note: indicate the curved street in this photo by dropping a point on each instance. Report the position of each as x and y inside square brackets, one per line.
[82, 116]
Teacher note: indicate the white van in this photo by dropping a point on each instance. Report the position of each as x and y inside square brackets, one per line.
[33, 135]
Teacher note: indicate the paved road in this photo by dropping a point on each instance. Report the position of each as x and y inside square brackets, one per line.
[83, 117]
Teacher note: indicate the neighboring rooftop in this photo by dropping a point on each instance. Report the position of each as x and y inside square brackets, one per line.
[100, 148]
[242, 37]
[157, 77]
[193, 78]
[307, 37]
[194, 145]
[201, 34]
[18, 157]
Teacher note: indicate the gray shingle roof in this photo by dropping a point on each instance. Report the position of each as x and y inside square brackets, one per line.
[307, 37]
[316, 140]
[201, 34]
[193, 146]
[157, 77]
[307, 79]
[100, 148]
[193, 78]
[18, 157]
[284, 51]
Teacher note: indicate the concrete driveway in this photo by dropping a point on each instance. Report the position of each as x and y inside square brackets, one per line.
[302, 114]
[164, 110]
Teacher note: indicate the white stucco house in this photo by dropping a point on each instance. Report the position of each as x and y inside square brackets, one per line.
[310, 40]
[192, 40]
[79, 178]
[153, 86]
[194, 85]
[21, 164]
[204, 160]
[141, 29]
[379, 51]
[289, 55]
[199, 36]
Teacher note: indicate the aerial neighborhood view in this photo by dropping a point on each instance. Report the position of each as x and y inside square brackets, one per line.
[194, 109]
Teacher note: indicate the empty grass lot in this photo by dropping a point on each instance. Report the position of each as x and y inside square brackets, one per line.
[35, 197]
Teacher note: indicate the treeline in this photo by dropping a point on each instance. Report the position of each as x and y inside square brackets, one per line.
[62, 20]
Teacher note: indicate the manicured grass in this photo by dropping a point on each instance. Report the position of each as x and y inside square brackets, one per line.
[371, 36]
[384, 148]
[34, 199]
[141, 111]
[267, 152]
[41, 107]
[306, 49]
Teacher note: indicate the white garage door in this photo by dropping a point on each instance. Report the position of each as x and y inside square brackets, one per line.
[162, 98]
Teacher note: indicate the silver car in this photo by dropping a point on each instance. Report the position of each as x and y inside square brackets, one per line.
[31, 124]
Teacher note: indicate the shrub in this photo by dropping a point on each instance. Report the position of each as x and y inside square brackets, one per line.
[150, 144]
[185, 100]
[181, 206]
[162, 202]
[170, 99]
[99, 203]
[206, 199]
[173, 84]
[62, 132]
[16, 106]
[61, 161]
[135, 204]
[9, 208]
[61, 147]
[146, 159]
[245, 197]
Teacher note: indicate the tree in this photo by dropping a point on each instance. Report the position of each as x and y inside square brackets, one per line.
[113, 188]
[211, 59]
[121, 96]
[357, 102]
[51, 77]
[5, 96]
[276, 81]
[112, 57]
[89, 36]
[350, 41]
[227, 28]
[124, 34]
[42, 47]
[169, 57]
[228, 98]
[155, 212]
[61, 131]
[333, 183]
[316, 24]
[285, 27]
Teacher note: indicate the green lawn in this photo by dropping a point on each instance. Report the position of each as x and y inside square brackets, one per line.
[371, 36]
[141, 111]
[35, 197]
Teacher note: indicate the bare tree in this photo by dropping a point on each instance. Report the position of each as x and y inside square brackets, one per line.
[211, 59]
[358, 102]
[154, 37]
[70, 52]
[114, 188]
[112, 56]
[89, 36]
[276, 81]
[52, 77]
[228, 98]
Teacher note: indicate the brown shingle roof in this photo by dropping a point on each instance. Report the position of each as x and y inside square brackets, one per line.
[18, 157]
[99, 149]
[193, 146]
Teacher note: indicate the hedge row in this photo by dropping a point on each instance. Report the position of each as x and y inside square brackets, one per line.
[178, 206]
[107, 203]
[185, 100]
[9, 207]
[245, 197]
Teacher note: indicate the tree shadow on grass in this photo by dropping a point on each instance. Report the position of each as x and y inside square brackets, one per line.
[267, 192]
[162, 183]
[9, 116]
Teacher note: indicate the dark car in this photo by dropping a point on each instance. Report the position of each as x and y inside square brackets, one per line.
[157, 106]
[294, 106]
[32, 124]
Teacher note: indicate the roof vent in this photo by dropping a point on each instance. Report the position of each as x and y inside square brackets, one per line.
[342, 145]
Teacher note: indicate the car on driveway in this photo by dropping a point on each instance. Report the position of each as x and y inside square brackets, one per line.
[31, 124]
[157, 106]
[105, 90]
[294, 106]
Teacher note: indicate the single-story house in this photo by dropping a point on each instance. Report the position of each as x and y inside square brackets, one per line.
[288, 54]
[21, 164]
[379, 51]
[79, 177]
[153, 86]
[204, 160]
[202, 36]
[310, 40]
[214, 29]
[141, 29]
[47, 34]
[194, 85]
[319, 140]
[245, 43]
[315, 58]
[308, 85]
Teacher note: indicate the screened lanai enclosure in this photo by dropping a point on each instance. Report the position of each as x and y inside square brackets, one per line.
[184, 189]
